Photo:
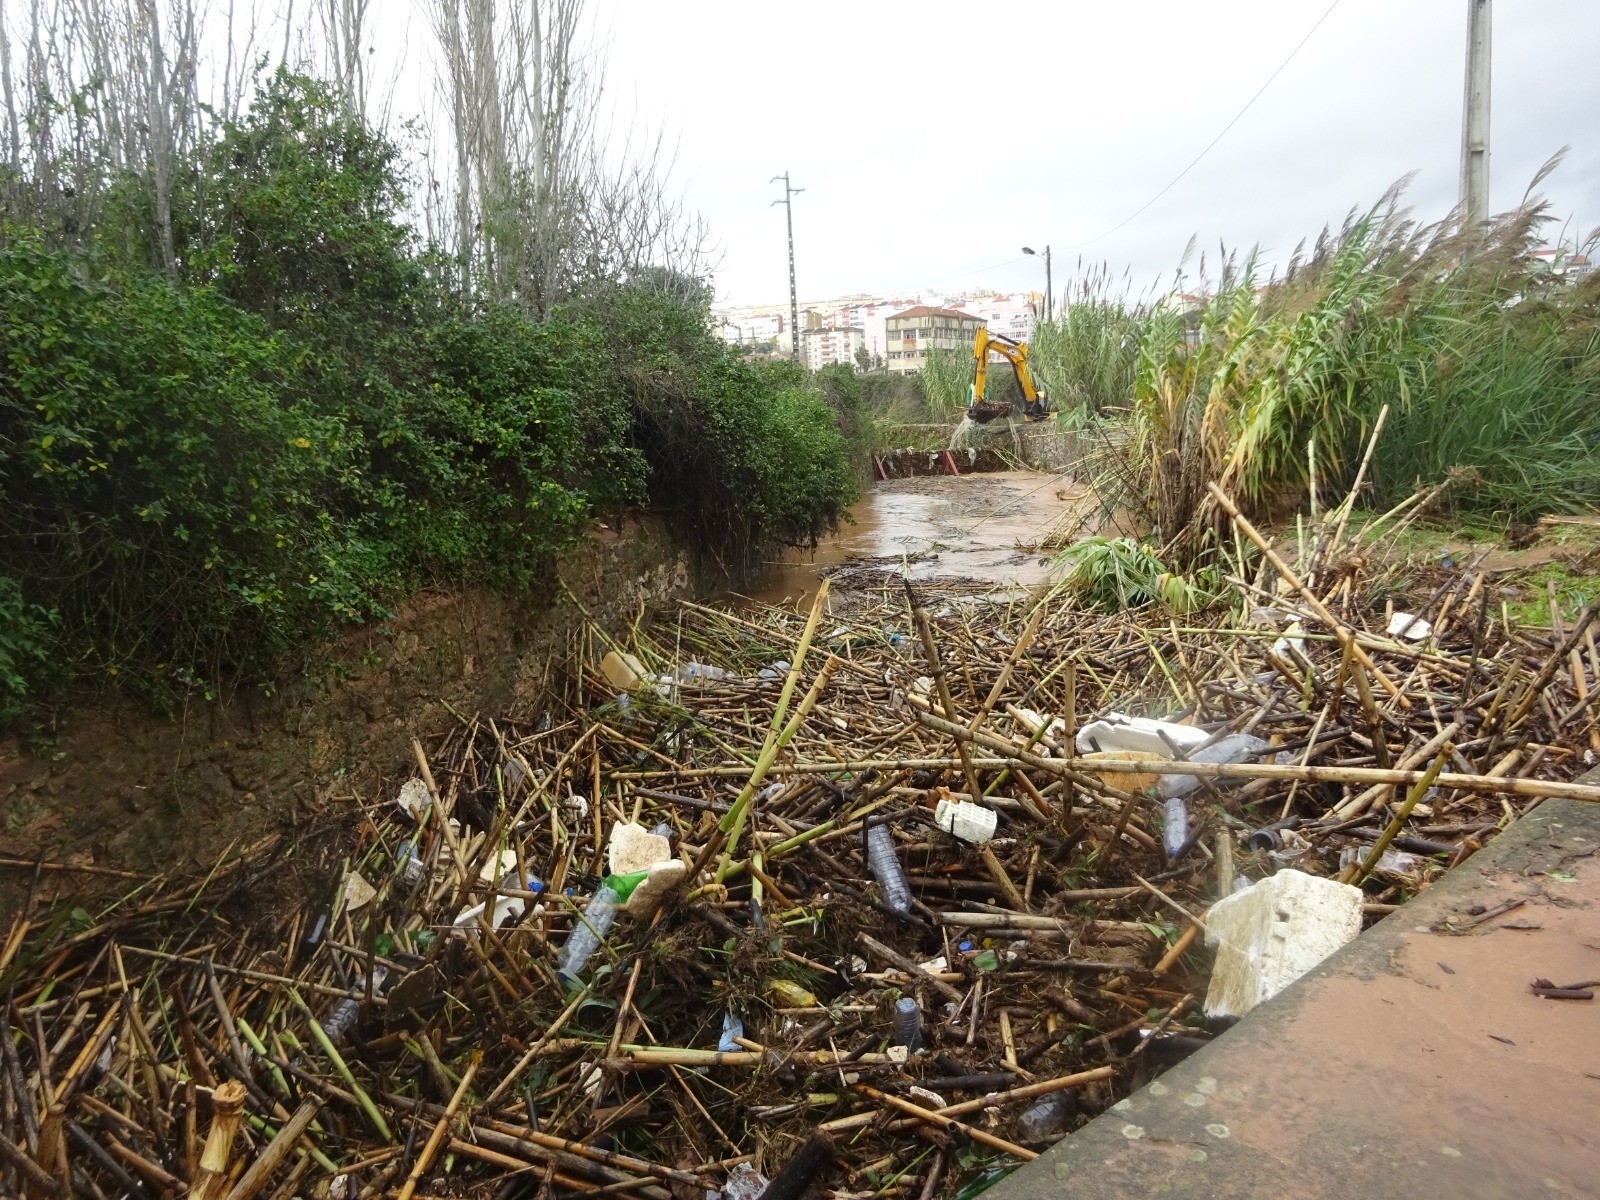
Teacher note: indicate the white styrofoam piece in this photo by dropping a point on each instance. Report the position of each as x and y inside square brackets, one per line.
[1117, 731]
[1273, 932]
[414, 799]
[653, 888]
[635, 848]
[968, 821]
[1419, 629]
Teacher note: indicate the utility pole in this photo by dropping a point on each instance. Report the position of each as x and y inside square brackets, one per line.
[794, 300]
[1475, 117]
[1049, 284]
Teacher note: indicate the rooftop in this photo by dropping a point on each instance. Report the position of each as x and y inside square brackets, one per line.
[923, 310]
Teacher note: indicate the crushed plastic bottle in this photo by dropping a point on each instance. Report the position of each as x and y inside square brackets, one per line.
[1045, 1118]
[774, 671]
[1236, 747]
[885, 867]
[1174, 825]
[907, 1024]
[693, 672]
[589, 931]
[342, 1018]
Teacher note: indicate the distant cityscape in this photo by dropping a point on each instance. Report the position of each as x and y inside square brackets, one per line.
[877, 332]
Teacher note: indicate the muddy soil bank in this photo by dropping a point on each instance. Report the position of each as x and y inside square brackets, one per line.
[122, 788]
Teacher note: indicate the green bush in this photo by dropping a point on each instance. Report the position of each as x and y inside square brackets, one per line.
[199, 475]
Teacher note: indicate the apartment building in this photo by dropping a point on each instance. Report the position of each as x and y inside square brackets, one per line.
[838, 344]
[909, 335]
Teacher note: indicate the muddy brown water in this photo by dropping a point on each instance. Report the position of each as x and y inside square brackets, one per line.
[986, 528]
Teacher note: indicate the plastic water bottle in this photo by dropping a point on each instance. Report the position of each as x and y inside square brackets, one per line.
[1044, 1118]
[1236, 747]
[344, 1015]
[907, 1024]
[1174, 825]
[588, 933]
[885, 868]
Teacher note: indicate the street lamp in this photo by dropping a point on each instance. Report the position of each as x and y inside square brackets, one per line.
[1047, 281]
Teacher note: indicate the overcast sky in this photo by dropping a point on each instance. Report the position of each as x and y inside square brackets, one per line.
[935, 139]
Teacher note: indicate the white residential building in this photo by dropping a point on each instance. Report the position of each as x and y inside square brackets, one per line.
[828, 345]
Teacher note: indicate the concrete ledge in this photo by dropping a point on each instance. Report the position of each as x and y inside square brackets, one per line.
[1414, 1062]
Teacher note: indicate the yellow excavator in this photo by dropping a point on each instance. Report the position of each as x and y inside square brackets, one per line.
[1035, 406]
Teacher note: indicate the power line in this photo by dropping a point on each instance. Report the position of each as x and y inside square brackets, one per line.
[1212, 143]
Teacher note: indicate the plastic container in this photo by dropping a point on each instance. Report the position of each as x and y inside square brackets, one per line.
[1044, 1119]
[694, 672]
[885, 867]
[342, 1018]
[1117, 731]
[1174, 825]
[907, 1024]
[968, 821]
[588, 933]
[412, 869]
[1236, 747]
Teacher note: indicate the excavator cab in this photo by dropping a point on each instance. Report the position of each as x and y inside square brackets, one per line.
[1035, 405]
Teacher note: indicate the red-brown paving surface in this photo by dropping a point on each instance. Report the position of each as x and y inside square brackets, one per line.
[1416, 1062]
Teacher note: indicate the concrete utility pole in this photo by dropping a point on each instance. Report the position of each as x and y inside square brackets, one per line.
[1475, 117]
[794, 301]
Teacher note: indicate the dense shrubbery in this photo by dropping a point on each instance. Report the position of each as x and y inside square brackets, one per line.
[199, 473]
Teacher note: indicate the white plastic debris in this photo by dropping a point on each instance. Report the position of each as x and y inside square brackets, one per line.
[413, 799]
[744, 1183]
[968, 821]
[635, 848]
[1412, 628]
[1399, 863]
[1117, 731]
[1273, 932]
[1292, 639]
[647, 896]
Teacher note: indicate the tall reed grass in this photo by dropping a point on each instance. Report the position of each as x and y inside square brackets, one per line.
[1490, 368]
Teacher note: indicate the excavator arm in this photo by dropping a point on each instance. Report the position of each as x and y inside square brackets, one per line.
[1034, 405]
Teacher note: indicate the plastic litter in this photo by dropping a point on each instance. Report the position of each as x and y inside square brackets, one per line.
[907, 1024]
[505, 907]
[588, 932]
[732, 1027]
[1273, 932]
[697, 672]
[744, 1183]
[413, 799]
[635, 848]
[1412, 628]
[1117, 731]
[659, 881]
[773, 671]
[1045, 1118]
[342, 1018]
[623, 672]
[1236, 747]
[1174, 825]
[968, 821]
[886, 869]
